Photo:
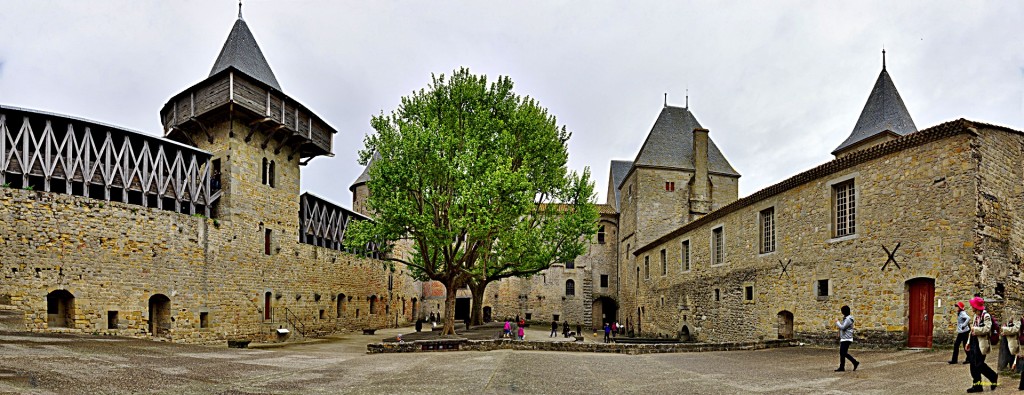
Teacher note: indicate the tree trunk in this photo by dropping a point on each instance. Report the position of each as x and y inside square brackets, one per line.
[449, 310]
[478, 289]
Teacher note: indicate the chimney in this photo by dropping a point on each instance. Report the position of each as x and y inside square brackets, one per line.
[700, 195]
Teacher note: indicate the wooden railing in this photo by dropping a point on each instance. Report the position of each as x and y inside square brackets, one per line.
[323, 224]
[280, 117]
[57, 153]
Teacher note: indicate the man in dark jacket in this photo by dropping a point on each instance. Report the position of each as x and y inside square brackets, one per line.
[554, 328]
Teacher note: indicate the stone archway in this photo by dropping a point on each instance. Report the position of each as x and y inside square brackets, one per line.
[605, 310]
[785, 324]
[159, 315]
[684, 334]
[60, 309]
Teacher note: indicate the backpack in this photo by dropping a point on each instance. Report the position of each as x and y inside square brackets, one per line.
[994, 335]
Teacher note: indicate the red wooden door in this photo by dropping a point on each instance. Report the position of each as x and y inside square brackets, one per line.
[922, 295]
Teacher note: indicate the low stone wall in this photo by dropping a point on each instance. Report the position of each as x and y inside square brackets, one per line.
[616, 348]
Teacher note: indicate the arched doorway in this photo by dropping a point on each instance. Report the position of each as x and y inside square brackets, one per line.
[373, 304]
[785, 325]
[340, 305]
[684, 334]
[60, 309]
[415, 316]
[487, 313]
[605, 311]
[159, 315]
[921, 300]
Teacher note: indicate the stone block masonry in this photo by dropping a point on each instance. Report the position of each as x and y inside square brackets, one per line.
[114, 258]
[949, 196]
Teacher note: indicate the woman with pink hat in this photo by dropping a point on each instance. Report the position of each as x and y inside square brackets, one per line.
[978, 346]
[963, 330]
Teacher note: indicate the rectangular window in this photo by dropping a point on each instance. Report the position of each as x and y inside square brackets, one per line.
[647, 267]
[322, 315]
[767, 230]
[718, 295]
[821, 288]
[570, 264]
[266, 241]
[845, 214]
[717, 254]
[670, 186]
[111, 320]
[204, 320]
[664, 264]
[685, 255]
[555, 317]
[600, 235]
[604, 281]
[749, 292]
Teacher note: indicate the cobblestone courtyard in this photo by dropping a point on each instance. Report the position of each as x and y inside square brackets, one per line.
[31, 363]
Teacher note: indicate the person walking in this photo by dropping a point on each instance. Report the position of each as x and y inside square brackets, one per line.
[615, 329]
[508, 329]
[565, 328]
[522, 333]
[963, 329]
[607, 332]
[978, 346]
[845, 339]
[554, 328]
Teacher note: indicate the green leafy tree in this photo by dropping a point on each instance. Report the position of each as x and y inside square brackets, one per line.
[468, 172]
[550, 233]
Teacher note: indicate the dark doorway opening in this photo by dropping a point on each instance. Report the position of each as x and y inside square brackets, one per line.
[159, 315]
[60, 309]
[462, 308]
[785, 324]
[487, 313]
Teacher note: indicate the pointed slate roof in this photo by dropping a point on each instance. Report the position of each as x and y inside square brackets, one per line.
[883, 112]
[670, 144]
[243, 53]
[365, 176]
[619, 169]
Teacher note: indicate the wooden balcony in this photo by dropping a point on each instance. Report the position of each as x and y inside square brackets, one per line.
[284, 121]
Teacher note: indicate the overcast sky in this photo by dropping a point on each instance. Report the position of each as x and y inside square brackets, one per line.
[779, 84]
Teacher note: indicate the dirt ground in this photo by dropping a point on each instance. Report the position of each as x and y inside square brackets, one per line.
[71, 364]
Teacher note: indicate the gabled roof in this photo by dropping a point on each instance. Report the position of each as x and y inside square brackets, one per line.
[243, 53]
[619, 169]
[365, 176]
[827, 169]
[670, 144]
[883, 112]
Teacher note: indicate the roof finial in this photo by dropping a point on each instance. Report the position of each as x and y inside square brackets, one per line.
[687, 98]
[239, 9]
[666, 100]
[883, 57]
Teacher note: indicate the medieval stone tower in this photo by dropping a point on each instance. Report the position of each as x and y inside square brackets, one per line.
[259, 136]
[678, 176]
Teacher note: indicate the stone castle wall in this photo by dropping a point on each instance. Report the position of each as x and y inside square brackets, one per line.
[923, 197]
[114, 257]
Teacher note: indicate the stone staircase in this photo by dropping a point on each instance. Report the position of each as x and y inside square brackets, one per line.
[588, 297]
[11, 319]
